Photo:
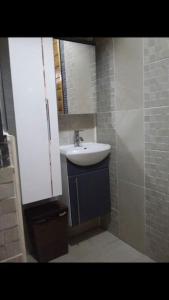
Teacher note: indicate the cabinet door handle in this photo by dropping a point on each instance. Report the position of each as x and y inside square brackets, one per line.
[48, 118]
[42, 221]
[62, 214]
[77, 193]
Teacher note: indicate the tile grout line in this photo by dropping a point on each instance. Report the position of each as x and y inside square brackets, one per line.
[144, 197]
[116, 137]
[156, 61]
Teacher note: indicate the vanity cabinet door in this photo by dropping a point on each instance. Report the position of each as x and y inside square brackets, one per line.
[74, 203]
[93, 194]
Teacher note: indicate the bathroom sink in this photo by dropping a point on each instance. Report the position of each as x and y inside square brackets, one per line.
[87, 154]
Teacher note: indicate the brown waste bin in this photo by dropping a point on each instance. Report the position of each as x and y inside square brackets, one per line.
[47, 230]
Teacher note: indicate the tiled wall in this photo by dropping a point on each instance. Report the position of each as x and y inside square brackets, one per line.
[156, 114]
[9, 233]
[12, 241]
[130, 139]
[69, 123]
[119, 69]
[106, 132]
[133, 116]
[6, 87]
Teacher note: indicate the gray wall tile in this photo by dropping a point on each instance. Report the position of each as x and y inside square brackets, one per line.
[106, 135]
[119, 73]
[105, 75]
[105, 120]
[68, 123]
[17, 259]
[8, 220]
[11, 235]
[114, 222]
[8, 205]
[155, 49]
[156, 118]
[129, 72]
[2, 238]
[131, 214]
[6, 174]
[6, 190]
[130, 146]
[156, 82]
[10, 249]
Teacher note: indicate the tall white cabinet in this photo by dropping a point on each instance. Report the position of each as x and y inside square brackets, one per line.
[35, 108]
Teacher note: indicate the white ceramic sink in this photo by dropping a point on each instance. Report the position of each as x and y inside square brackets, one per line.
[87, 154]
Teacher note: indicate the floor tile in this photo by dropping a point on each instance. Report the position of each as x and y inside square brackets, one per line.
[102, 247]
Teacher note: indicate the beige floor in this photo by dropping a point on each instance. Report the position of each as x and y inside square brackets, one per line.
[102, 247]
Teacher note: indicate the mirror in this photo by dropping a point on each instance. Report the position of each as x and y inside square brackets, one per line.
[75, 70]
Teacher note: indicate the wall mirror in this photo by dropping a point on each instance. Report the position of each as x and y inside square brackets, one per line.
[75, 70]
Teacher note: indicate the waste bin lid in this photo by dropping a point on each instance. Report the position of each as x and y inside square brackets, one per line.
[43, 210]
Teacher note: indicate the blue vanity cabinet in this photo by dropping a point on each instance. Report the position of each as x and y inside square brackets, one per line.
[73, 200]
[89, 191]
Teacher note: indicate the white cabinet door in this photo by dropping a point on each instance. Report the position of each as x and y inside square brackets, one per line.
[53, 114]
[31, 119]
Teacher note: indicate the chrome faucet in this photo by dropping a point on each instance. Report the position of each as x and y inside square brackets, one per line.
[77, 139]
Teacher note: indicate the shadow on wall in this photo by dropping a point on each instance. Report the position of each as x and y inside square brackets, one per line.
[69, 123]
[105, 76]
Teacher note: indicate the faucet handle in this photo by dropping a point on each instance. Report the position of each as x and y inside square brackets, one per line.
[78, 130]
